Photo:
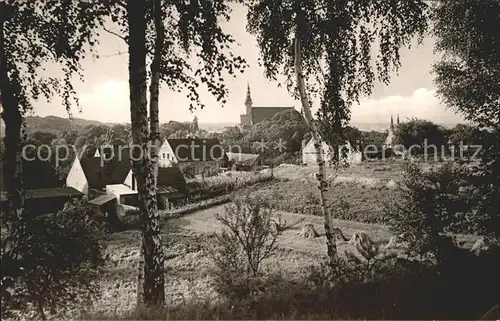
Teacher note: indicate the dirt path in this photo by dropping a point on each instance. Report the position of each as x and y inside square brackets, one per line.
[204, 222]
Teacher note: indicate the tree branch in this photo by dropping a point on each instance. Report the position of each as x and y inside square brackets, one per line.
[115, 34]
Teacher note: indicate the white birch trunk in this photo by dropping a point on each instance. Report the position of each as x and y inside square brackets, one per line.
[152, 246]
[331, 245]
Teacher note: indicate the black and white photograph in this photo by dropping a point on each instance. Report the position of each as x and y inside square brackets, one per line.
[250, 159]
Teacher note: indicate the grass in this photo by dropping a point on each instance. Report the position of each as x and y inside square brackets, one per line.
[462, 294]
[190, 288]
[348, 201]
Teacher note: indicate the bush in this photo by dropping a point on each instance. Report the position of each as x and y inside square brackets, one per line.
[249, 236]
[62, 256]
[434, 205]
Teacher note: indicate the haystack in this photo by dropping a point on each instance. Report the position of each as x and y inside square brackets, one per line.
[308, 231]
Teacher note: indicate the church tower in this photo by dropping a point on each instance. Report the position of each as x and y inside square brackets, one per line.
[392, 123]
[248, 104]
[397, 121]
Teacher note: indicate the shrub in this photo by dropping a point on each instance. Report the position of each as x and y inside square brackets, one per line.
[432, 205]
[62, 254]
[248, 237]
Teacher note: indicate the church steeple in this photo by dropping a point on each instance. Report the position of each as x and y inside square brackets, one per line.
[397, 120]
[248, 105]
[392, 123]
[248, 100]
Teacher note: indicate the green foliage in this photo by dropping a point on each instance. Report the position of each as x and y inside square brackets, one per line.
[194, 126]
[373, 138]
[289, 126]
[227, 182]
[434, 204]
[37, 33]
[192, 30]
[468, 75]
[61, 262]
[249, 236]
[472, 135]
[336, 42]
[420, 133]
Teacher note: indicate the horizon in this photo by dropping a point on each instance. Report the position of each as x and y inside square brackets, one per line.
[104, 94]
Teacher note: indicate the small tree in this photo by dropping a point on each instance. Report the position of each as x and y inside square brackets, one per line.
[248, 237]
[421, 133]
[62, 256]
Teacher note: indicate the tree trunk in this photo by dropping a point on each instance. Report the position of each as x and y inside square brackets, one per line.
[154, 278]
[13, 120]
[321, 176]
[154, 89]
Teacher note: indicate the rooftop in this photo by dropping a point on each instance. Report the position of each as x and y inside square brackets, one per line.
[48, 193]
[120, 189]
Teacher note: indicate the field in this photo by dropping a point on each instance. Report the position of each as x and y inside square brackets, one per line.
[187, 238]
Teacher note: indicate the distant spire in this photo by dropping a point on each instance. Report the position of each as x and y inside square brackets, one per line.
[397, 120]
[248, 100]
[392, 122]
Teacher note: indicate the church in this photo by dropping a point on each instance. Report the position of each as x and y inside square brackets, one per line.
[391, 136]
[255, 115]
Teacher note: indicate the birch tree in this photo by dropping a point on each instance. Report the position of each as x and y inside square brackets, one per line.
[33, 34]
[324, 49]
[171, 34]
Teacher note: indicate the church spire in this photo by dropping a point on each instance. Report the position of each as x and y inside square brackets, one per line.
[248, 100]
[392, 122]
[397, 120]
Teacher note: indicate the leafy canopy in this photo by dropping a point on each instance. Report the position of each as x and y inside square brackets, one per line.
[468, 76]
[196, 50]
[56, 32]
[336, 40]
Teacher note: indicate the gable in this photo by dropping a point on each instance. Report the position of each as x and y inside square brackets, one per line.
[261, 113]
[309, 146]
[166, 155]
[390, 138]
[76, 177]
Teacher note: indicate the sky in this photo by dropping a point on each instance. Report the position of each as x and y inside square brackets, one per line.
[104, 95]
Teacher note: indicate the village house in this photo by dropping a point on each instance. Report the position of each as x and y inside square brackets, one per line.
[309, 154]
[44, 200]
[92, 175]
[112, 186]
[193, 156]
[44, 193]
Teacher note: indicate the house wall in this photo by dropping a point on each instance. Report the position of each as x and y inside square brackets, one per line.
[129, 199]
[76, 177]
[309, 155]
[355, 157]
[129, 182]
[166, 156]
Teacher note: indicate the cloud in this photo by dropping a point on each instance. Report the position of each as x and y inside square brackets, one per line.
[108, 101]
[423, 103]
